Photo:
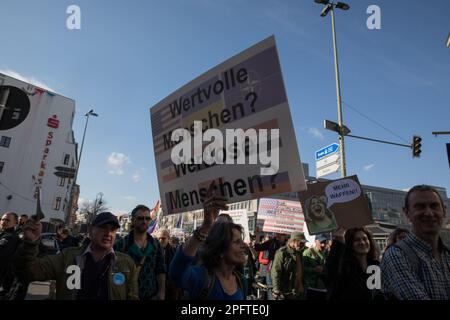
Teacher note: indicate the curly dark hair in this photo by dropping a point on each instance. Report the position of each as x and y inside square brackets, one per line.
[348, 254]
[218, 242]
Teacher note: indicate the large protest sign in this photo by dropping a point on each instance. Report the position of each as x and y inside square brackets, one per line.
[240, 217]
[329, 205]
[230, 128]
[279, 216]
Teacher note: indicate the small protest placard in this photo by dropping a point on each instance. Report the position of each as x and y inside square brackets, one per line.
[332, 204]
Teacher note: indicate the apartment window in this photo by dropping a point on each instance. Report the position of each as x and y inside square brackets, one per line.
[61, 182]
[5, 141]
[2, 164]
[57, 203]
[66, 159]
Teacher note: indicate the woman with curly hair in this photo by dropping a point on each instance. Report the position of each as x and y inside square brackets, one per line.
[223, 250]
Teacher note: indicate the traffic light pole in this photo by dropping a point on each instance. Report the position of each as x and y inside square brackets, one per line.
[338, 95]
[381, 141]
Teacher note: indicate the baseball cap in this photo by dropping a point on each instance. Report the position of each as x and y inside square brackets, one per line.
[300, 236]
[104, 218]
[322, 237]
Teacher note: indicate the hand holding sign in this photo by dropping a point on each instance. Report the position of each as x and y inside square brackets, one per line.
[39, 214]
[33, 228]
[212, 206]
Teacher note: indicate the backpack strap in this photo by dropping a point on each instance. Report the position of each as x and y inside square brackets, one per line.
[208, 283]
[240, 282]
[410, 255]
[209, 278]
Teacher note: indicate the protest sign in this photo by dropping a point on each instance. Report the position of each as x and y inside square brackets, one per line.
[230, 128]
[240, 217]
[279, 216]
[329, 205]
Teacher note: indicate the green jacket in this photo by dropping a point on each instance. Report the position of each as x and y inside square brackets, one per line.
[53, 267]
[311, 259]
[283, 270]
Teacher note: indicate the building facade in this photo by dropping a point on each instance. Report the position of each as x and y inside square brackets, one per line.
[36, 138]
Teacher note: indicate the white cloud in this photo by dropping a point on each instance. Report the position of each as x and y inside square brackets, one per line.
[130, 198]
[369, 167]
[81, 201]
[120, 212]
[315, 133]
[31, 80]
[136, 177]
[116, 162]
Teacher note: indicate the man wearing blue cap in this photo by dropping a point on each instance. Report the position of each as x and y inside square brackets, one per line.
[313, 267]
[92, 272]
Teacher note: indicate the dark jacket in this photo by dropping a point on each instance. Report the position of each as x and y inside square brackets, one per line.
[284, 270]
[348, 280]
[271, 245]
[68, 242]
[8, 245]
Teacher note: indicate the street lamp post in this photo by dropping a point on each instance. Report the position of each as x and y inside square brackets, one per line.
[87, 114]
[98, 202]
[329, 6]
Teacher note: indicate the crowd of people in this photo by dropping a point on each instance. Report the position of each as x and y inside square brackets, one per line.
[215, 263]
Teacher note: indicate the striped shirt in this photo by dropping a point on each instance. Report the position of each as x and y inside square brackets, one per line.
[431, 281]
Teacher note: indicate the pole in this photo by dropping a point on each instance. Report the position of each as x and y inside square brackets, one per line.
[70, 206]
[338, 94]
[381, 141]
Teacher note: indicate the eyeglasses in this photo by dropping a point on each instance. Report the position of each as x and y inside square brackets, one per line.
[143, 218]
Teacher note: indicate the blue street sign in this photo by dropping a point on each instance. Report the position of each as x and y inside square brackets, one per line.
[326, 151]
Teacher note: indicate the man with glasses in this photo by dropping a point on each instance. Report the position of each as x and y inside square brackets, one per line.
[147, 253]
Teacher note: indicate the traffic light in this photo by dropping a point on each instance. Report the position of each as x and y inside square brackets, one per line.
[416, 145]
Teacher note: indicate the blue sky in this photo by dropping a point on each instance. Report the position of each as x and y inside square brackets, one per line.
[129, 55]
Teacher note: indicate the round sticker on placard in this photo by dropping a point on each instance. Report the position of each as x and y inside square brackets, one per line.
[118, 278]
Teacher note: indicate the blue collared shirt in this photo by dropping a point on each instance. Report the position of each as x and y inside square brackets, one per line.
[430, 282]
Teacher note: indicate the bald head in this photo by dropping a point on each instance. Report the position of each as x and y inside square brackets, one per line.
[163, 237]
